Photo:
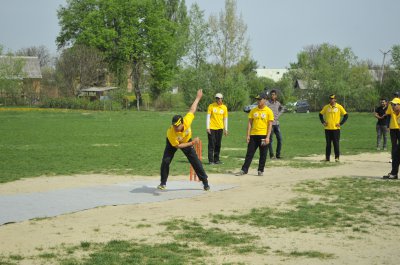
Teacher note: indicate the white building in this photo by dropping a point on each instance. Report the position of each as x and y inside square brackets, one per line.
[274, 74]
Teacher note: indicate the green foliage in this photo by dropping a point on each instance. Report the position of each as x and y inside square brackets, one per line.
[11, 79]
[80, 103]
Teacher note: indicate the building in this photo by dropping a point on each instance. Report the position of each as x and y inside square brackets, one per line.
[274, 74]
[25, 69]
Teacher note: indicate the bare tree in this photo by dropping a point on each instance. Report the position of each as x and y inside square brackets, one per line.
[229, 41]
[41, 52]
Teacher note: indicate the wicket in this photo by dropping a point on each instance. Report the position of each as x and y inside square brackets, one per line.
[199, 148]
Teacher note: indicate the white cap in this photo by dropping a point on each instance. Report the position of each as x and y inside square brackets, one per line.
[219, 95]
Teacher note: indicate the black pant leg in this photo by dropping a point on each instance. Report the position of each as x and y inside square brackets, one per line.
[211, 145]
[218, 140]
[336, 143]
[263, 157]
[396, 152]
[270, 145]
[393, 140]
[328, 139]
[169, 153]
[194, 160]
[277, 132]
[252, 146]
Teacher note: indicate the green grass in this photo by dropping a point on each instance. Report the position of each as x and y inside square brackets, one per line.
[336, 203]
[37, 143]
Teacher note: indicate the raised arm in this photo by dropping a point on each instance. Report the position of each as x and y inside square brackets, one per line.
[193, 108]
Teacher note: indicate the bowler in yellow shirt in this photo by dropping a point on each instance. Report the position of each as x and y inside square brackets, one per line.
[179, 136]
[216, 124]
[330, 117]
[395, 116]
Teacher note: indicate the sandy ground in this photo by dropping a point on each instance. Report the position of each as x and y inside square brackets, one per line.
[380, 246]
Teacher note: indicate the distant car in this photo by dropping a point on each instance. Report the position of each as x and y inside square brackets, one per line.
[302, 106]
[248, 108]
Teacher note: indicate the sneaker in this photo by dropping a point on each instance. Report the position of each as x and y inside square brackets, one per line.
[384, 149]
[211, 163]
[390, 176]
[278, 157]
[241, 173]
[325, 160]
[162, 187]
[337, 160]
[218, 162]
[378, 149]
[273, 157]
[260, 173]
[206, 187]
[390, 161]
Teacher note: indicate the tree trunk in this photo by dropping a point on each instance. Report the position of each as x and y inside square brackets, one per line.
[136, 79]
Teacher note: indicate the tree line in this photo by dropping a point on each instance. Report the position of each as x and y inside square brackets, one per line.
[157, 45]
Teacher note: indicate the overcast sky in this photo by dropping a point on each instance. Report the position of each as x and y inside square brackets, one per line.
[278, 29]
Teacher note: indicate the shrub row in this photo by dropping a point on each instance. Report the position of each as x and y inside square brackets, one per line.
[80, 103]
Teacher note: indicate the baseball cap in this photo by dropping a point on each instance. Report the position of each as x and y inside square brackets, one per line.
[262, 95]
[333, 96]
[219, 95]
[396, 94]
[395, 101]
[177, 120]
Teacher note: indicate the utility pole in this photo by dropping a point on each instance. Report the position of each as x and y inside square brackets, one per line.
[383, 63]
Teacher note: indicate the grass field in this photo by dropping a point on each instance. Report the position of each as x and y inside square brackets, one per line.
[37, 143]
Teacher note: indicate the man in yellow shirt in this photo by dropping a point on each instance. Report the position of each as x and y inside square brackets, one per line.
[217, 124]
[258, 134]
[179, 136]
[395, 118]
[330, 118]
[393, 127]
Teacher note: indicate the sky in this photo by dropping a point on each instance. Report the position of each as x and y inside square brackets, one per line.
[277, 29]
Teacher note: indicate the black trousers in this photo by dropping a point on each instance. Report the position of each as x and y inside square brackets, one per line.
[191, 155]
[395, 134]
[395, 140]
[254, 143]
[332, 136]
[214, 145]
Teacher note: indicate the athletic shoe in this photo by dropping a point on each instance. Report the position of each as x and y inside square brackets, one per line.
[260, 173]
[162, 187]
[218, 162]
[211, 163]
[241, 173]
[206, 187]
[384, 149]
[337, 160]
[325, 160]
[279, 157]
[390, 176]
[390, 161]
[273, 157]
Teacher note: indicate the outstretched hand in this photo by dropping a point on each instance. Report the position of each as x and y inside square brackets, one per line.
[199, 93]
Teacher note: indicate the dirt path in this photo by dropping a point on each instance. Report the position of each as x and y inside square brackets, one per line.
[273, 189]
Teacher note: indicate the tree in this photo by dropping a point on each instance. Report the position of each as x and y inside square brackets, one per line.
[41, 52]
[199, 37]
[80, 66]
[229, 42]
[326, 68]
[11, 77]
[136, 36]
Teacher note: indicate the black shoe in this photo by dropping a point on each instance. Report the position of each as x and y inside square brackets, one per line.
[206, 187]
[218, 162]
[279, 157]
[390, 176]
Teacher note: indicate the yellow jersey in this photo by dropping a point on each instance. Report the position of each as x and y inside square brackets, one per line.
[332, 115]
[217, 115]
[394, 123]
[261, 119]
[176, 138]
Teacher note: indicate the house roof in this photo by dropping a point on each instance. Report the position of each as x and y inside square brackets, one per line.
[30, 69]
[97, 89]
[274, 74]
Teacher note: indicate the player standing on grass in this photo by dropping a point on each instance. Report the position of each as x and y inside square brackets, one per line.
[258, 134]
[395, 118]
[217, 124]
[179, 136]
[330, 118]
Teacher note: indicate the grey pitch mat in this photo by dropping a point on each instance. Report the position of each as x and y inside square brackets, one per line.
[21, 207]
